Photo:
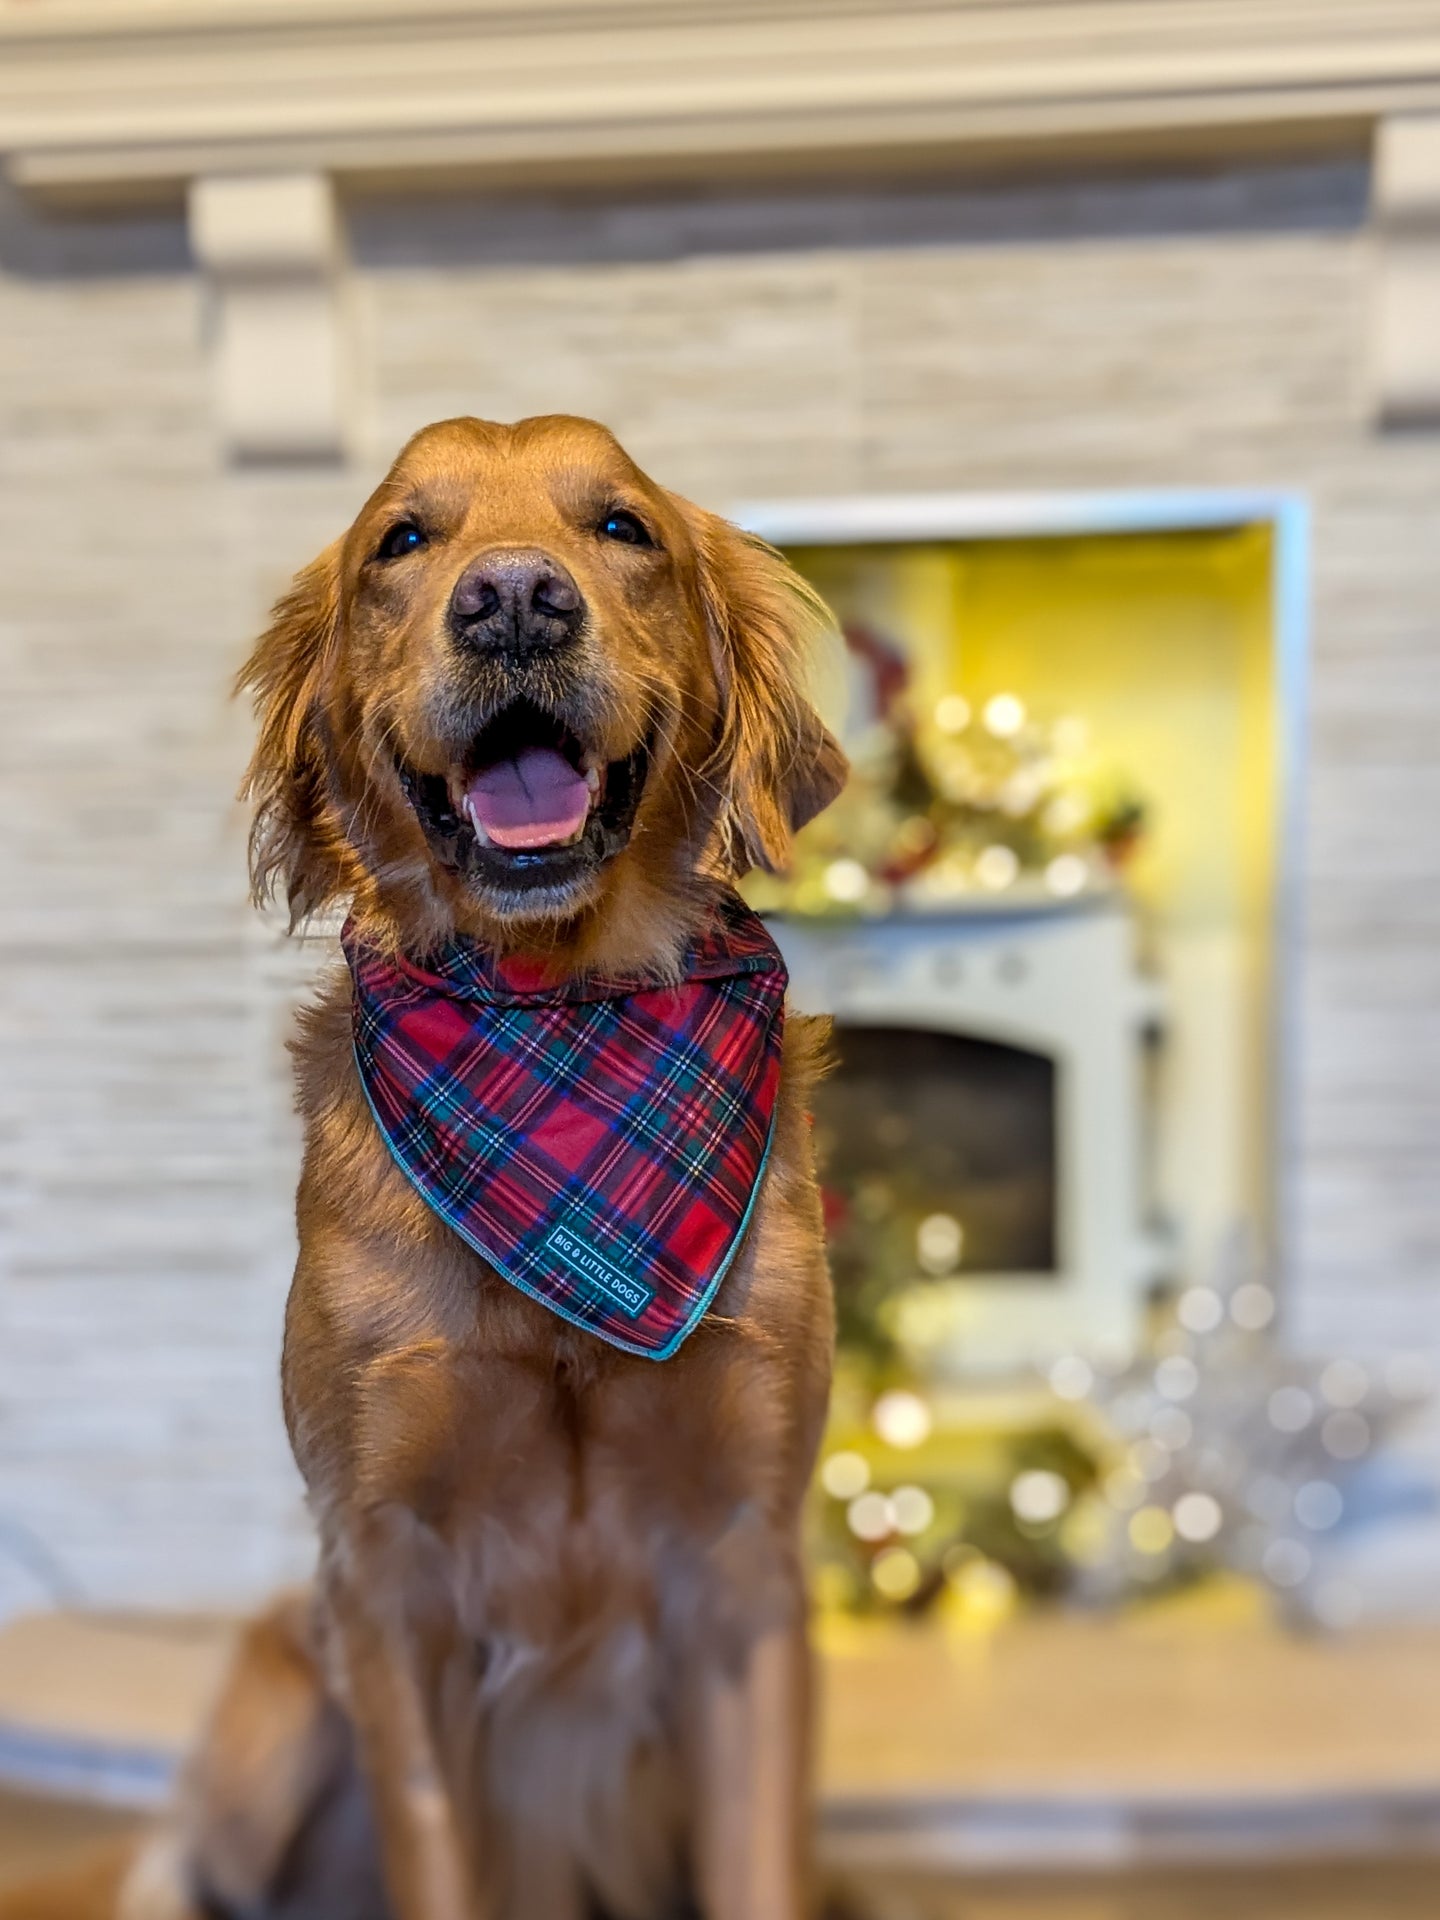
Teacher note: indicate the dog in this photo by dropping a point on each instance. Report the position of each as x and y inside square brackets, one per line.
[534, 708]
[560, 1593]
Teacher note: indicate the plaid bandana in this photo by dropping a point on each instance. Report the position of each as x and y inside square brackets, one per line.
[599, 1142]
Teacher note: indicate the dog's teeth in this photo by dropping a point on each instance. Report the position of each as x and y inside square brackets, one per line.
[592, 779]
[480, 834]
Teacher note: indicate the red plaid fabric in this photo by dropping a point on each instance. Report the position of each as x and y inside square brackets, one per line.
[599, 1142]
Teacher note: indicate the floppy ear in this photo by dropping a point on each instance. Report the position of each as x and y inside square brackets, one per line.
[296, 846]
[775, 762]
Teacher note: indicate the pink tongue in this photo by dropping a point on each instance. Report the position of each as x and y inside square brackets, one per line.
[533, 800]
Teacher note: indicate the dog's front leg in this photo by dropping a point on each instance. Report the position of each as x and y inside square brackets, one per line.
[750, 1760]
[389, 1662]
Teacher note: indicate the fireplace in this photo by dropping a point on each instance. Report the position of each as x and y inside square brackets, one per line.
[945, 1143]
[982, 1136]
[1062, 1081]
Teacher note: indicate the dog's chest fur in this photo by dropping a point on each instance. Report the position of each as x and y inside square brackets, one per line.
[565, 1519]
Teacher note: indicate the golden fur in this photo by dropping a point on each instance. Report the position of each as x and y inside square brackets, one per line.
[560, 1594]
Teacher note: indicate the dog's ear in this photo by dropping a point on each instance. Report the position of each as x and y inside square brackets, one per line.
[295, 845]
[775, 763]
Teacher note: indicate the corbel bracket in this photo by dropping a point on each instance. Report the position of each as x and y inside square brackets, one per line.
[272, 246]
[1406, 346]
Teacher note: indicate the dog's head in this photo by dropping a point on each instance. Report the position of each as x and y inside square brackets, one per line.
[531, 694]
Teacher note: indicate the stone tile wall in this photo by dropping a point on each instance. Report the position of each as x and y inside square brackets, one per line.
[1183, 332]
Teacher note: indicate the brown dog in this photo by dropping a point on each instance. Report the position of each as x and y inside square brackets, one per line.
[560, 1593]
[560, 1603]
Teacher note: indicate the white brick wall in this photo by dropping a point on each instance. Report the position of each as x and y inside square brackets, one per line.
[1202, 332]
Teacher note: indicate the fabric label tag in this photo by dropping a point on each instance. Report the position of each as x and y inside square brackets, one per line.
[581, 1259]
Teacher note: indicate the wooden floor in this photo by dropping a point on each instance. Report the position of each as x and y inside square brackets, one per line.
[1336, 1891]
[1131, 1709]
[1038, 1715]
[39, 1834]
[1051, 1707]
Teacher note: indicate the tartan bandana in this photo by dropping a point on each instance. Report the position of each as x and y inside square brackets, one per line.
[599, 1142]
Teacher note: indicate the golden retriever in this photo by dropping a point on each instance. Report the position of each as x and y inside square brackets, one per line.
[560, 1598]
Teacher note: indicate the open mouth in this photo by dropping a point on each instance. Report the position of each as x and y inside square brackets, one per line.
[531, 809]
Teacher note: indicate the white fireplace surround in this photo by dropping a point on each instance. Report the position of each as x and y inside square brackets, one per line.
[1071, 990]
[1058, 981]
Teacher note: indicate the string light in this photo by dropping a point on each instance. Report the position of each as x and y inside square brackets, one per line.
[1198, 1517]
[1004, 715]
[1319, 1505]
[1151, 1530]
[844, 1475]
[984, 1590]
[1344, 1383]
[896, 1573]
[1071, 1378]
[1252, 1307]
[846, 881]
[914, 1510]
[1200, 1309]
[902, 1419]
[1039, 1496]
[1067, 813]
[996, 867]
[1171, 1429]
[871, 1517]
[1235, 1452]
[1177, 1378]
[939, 1242]
[1066, 875]
[1290, 1409]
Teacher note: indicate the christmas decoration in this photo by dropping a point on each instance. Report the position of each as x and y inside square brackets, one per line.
[928, 1505]
[1211, 1456]
[962, 804]
[1227, 1453]
[1215, 1454]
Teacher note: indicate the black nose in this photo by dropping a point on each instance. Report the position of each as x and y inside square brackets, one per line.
[515, 600]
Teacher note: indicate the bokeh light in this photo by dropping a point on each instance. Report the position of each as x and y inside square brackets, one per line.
[902, 1419]
[844, 1475]
[1004, 715]
[1039, 1496]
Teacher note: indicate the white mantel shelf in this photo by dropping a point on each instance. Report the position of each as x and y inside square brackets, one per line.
[303, 102]
[107, 98]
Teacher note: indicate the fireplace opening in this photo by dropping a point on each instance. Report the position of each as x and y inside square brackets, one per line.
[938, 1157]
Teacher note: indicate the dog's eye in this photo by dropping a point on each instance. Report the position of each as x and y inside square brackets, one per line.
[625, 528]
[402, 539]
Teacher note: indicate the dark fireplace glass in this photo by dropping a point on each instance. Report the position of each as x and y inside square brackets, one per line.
[937, 1154]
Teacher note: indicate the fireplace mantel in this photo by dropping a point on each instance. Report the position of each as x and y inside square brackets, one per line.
[100, 98]
[305, 101]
